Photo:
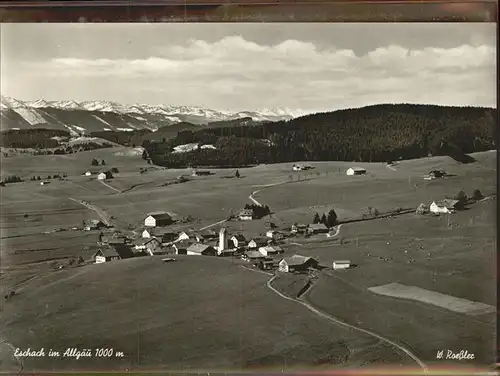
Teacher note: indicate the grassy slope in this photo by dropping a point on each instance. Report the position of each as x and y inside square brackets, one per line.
[469, 267]
[145, 308]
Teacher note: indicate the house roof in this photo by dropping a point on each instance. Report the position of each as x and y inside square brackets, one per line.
[246, 212]
[123, 251]
[159, 215]
[296, 260]
[183, 244]
[447, 203]
[152, 240]
[253, 254]
[198, 248]
[110, 252]
[96, 221]
[272, 248]
[342, 262]
[260, 241]
[359, 169]
[239, 237]
[318, 226]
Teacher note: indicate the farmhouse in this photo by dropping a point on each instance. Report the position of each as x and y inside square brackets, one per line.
[341, 264]
[191, 235]
[106, 255]
[118, 240]
[296, 263]
[87, 173]
[356, 171]
[317, 228]
[246, 215]
[105, 175]
[153, 247]
[259, 242]
[45, 182]
[199, 249]
[95, 224]
[159, 218]
[180, 248]
[238, 241]
[444, 206]
[271, 250]
[252, 256]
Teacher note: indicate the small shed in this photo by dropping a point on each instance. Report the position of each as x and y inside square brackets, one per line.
[356, 171]
[159, 218]
[341, 264]
[88, 173]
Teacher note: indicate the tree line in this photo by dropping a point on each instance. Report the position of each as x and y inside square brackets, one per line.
[378, 133]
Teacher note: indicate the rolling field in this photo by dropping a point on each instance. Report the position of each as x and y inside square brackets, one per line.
[452, 256]
[145, 309]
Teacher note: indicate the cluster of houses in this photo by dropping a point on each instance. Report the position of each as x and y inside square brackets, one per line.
[446, 206]
[262, 251]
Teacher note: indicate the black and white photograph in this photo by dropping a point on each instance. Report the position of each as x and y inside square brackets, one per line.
[231, 197]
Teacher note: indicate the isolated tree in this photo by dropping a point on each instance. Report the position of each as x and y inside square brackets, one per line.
[316, 218]
[323, 219]
[145, 155]
[370, 210]
[332, 218]
[114, 170]
[477, 195]
[38, 178]
[49, 177]
[237, 174]
[103, 163]
[376, 213]
[95, 162]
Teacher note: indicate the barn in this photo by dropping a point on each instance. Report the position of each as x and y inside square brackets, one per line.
[296, 263]
[106, 255]
[180, 248]
[259, 242]
[159, 218]
[356, 171]
[199, 249]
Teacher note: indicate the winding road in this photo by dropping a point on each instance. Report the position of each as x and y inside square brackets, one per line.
[339, 322]
[99, 212]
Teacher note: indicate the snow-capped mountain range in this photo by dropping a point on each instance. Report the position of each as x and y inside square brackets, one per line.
[91, 116]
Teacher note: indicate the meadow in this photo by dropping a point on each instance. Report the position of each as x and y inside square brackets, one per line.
[144, 308]
[250, 327]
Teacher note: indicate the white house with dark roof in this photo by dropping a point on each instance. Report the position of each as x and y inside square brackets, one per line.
[238, 241]
[246, 215]
[159, 218]
[106, 255]
[356, 171]
[259, 242]
[446, 206]
[271, 250]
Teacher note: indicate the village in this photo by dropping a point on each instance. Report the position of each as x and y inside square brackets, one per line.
[266, 251]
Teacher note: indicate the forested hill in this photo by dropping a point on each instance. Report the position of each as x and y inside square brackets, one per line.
[370, 134]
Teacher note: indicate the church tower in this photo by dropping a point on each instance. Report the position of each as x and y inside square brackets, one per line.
[223, 239]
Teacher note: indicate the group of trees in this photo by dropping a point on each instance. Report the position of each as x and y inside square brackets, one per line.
[12, 179]
[95, 162]
[373, 134]
[32, 138]
[329, 220]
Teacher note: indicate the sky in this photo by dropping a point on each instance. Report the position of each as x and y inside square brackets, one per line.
[301, 66]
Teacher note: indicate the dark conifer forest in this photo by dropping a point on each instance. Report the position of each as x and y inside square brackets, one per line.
[377, 133]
